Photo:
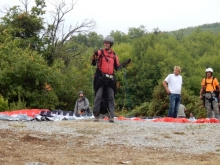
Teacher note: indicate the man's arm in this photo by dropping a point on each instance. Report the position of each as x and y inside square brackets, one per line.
[203, 88]
[201, 92]
[217, 88]
[166, 87]
[185, 109]
[86, 104]
[95, 57]
[75, 108]
[218, 91]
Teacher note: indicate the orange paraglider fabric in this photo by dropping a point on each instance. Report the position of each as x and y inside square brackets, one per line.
[28, 112]
[173, 120]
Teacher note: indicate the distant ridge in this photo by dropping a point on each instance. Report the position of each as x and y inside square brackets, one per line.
[213, 28]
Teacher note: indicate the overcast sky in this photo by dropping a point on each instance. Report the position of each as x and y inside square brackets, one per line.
[167, 15]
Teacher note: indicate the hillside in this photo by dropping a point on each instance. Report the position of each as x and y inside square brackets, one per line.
[213, 28]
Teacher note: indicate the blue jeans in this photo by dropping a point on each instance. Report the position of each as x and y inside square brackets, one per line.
[174, 105]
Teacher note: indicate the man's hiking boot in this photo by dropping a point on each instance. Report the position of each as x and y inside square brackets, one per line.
[96, 115]
[111, 120]
[96, 119]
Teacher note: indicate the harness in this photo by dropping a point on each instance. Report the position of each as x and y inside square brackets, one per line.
[213, 97]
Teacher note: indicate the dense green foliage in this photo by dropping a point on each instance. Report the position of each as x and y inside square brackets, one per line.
[36, 73]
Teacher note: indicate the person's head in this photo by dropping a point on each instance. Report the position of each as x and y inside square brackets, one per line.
[177, 70]
[191, 115]
[208, 72]
[108, 42]
[81, 93]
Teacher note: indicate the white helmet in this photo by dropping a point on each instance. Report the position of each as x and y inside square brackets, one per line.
[209, 70]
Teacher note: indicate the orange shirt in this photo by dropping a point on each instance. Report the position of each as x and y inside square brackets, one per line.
[209, 85]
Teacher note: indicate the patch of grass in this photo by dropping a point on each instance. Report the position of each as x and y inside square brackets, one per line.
[217, 150]
[179, 133]
[88, 132]
[20, 125]
[152, 138]
[196, 126]
[167, 136]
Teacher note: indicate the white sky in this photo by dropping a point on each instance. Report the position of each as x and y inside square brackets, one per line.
[120, 15]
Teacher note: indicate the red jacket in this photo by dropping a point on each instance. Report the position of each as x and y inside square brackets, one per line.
[106, 61]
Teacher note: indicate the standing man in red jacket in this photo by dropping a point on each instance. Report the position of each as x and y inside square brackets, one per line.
[104, 81]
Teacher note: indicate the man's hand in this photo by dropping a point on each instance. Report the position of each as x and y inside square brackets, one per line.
[201, 97]
[95, 54]
[168, 91]
[82, 111]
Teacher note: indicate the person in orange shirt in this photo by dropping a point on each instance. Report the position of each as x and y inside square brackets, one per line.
[209, 86]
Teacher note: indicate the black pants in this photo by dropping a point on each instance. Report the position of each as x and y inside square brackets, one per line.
[110, 98]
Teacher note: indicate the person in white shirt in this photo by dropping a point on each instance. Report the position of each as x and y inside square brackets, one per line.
[173, 85]
[191, 117]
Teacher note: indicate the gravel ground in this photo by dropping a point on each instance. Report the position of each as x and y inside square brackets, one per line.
[180, 137]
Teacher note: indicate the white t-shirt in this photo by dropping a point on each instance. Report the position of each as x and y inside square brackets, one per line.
[174, 83]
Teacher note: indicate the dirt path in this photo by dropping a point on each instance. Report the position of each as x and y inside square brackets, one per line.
[19, 147]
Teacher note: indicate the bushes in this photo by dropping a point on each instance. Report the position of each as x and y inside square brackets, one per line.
[159, 105]
[3, 104]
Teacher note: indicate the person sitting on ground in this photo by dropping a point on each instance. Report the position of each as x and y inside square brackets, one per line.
[191, 117]
[181, 111]
[82, 105]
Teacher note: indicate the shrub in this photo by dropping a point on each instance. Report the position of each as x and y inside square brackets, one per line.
[3, 104]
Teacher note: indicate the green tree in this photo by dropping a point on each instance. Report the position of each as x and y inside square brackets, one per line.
[24, 75]
[55, 42]
[25, 24]
[137, 32]
[120, 37]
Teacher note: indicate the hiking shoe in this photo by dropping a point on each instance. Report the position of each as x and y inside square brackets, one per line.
[96, 120]
[96, 115]
[111, 120]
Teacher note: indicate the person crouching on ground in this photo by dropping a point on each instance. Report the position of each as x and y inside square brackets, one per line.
[81, 105]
